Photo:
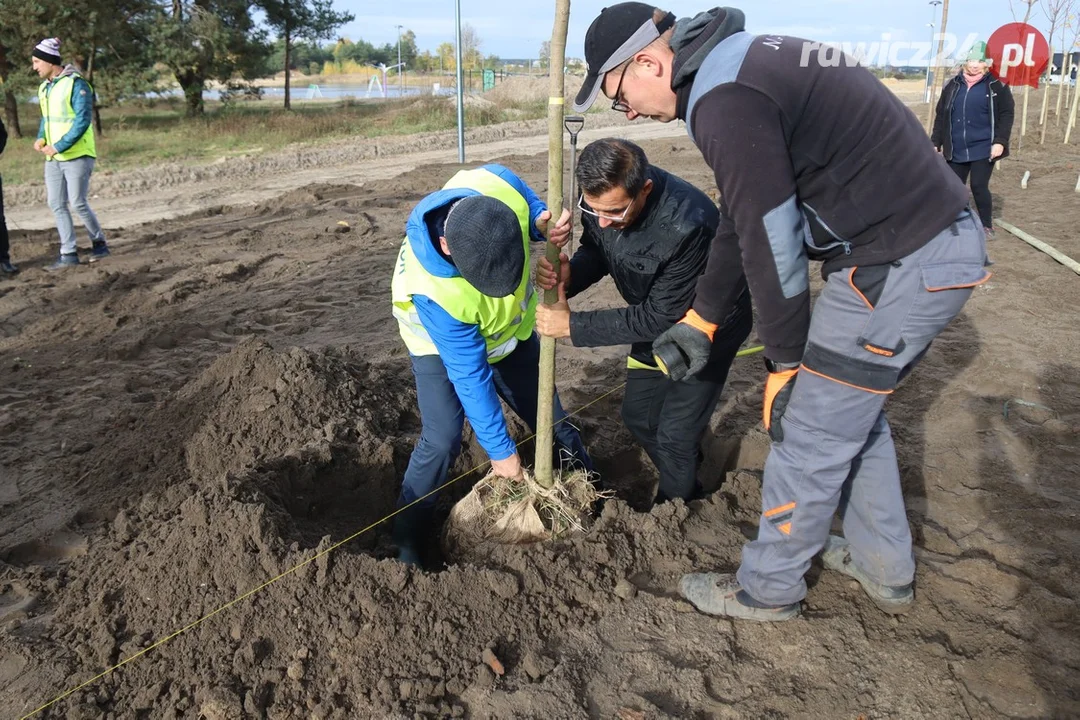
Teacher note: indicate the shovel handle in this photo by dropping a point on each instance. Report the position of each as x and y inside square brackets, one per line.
[573, 125]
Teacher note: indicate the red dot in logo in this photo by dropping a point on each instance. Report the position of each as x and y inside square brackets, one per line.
[1018, 54]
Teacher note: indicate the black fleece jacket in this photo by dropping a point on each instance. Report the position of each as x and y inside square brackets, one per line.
[855, 159]
[655, 263]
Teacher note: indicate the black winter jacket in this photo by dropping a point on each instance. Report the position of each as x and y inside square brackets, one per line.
[655, 264]
[1001, 114]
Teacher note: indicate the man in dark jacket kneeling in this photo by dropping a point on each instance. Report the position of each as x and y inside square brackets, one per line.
[651, 232]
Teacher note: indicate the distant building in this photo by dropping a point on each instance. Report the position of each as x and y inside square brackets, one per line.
[1058, 67]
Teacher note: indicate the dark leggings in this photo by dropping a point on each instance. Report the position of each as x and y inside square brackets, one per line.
[979, 171]
[5, 247]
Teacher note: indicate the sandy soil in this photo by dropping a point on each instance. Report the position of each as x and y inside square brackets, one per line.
[227, 393]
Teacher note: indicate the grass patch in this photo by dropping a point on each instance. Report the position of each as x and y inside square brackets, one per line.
[139, 136]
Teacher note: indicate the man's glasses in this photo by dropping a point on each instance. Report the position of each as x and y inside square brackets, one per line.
[617, 104]
[604, 216]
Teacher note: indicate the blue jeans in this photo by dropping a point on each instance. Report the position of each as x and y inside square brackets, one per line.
[70, 180]
[516, 378]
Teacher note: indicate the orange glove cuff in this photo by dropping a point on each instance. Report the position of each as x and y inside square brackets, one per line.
[699, 323]
[773, 385]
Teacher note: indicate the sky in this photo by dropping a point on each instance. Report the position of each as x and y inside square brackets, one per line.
[516, 30]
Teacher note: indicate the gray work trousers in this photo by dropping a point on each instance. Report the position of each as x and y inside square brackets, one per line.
[869, 328]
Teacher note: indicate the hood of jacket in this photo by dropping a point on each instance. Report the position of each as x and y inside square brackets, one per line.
[422, 227]
[694, 38]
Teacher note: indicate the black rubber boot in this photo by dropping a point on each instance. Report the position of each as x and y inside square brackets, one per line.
[412, 529]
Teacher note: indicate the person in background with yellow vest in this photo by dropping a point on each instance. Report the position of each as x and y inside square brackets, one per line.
[466, 310]
[66, 138]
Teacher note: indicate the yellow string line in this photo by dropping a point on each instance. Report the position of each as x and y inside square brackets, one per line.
[293, 569]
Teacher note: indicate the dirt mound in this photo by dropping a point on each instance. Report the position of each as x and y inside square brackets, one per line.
[255, 403]
[265, 404]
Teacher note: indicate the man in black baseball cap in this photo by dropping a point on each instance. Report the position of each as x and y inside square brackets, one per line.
[810, 153]
[466, 310]
[613, 38]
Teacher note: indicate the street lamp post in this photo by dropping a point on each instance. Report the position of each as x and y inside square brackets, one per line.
[926, 92]
[400, 67]
[929, 62]
[460, 79]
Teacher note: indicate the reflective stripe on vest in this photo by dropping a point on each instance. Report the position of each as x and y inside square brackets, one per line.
[634, 364]
[503, 322]
[59, 115]
[419, 342]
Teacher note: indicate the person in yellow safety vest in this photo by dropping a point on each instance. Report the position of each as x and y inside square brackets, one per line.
[66, 138]
[466, 311]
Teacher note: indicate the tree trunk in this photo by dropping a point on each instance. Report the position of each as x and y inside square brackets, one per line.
[545, 408]
[11, 114]
[288, 42]
[95, 110]
[1024, 117]
[191, 81]
[1072, 115]
[1046, 96]
[1066, 59]
[192, 84]
[11, 103]
[1066, 82]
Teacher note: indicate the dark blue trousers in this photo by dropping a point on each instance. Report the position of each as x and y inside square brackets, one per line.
[516, 379]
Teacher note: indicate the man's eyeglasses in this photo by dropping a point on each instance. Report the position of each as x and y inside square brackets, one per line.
[603, 216]
[618, 105]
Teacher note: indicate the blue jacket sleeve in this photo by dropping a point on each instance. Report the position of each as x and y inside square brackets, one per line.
[82, 101]
[41, 129]
[464, 354]
[536, 205]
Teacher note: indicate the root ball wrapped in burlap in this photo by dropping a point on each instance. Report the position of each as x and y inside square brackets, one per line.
[501, 511]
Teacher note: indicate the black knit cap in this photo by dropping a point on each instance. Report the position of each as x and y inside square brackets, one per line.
[484, 236]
